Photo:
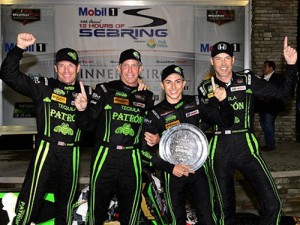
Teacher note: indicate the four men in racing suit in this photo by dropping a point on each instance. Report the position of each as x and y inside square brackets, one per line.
[177, 108]
[119, 110]
[56, 156]
[237, 147]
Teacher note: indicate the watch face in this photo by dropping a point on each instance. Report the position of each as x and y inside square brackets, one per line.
[184, 144]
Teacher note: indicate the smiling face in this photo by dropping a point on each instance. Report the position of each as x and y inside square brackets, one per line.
[173, 85]
[222, 64]
[129, 72]
[66, 72]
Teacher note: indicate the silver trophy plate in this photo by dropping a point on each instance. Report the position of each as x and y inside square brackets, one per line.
[184, 144]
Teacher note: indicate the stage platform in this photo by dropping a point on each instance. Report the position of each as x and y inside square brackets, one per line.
[284, 163]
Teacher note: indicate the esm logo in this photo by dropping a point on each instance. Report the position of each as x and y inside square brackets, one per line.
[143, 30]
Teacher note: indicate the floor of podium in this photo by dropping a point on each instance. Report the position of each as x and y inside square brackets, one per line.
[283, 162]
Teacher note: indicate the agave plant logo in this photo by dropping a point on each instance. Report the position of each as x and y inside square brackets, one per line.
[47, 99]
[125, 129]
[72, 55]
[59, 91]
[64, 129]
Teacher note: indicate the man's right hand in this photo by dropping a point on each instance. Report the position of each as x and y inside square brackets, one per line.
[180, 170]
[219, 92]
[152, 139]
[290, 54]
[24, 40]
[81, 99]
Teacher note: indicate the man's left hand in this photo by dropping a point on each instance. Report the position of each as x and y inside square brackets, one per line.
[142, 86]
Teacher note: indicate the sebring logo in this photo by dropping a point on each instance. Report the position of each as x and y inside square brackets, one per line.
[155, 21]
[135, 31]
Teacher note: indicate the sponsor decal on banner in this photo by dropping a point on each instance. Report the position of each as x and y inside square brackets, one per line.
[153, 43]
[101, 33]
[37, 47]
[26, 16]
[96, 28]
[96, 11]
[206, 48]
[141, 28]
[220, 16]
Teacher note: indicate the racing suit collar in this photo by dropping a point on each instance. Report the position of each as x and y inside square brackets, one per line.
[68, 87]
[127, 88]
[225, 84]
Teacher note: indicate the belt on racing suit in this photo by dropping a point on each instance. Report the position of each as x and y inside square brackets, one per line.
[233, 131]
[59, 143]
[120, 147]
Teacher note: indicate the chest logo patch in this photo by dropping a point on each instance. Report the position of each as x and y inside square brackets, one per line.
[210, 95]
[239, 88]
[126, 129]
[121, 101]
[64, 129]
[139, 104]
[189, 114]
[59, 91]
[168, 125]
[58, 98]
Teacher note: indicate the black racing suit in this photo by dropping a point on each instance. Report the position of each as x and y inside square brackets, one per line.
[56, 156]
[165, 115]
[237, 147]
[118, 112]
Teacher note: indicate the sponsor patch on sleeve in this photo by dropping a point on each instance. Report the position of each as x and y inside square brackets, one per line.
[203, 91]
